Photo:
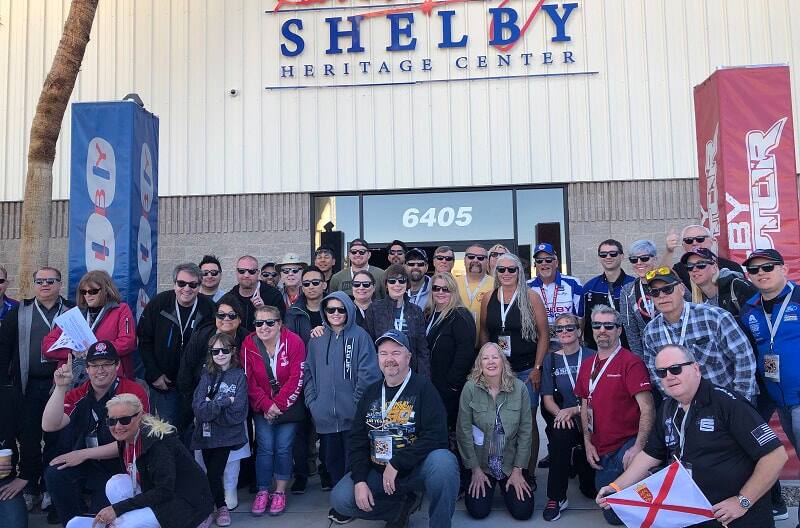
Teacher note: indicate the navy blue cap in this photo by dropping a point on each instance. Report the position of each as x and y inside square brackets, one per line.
[700, 252]
[769, 254]
[398, 337]
[416, 254]
[544, 246]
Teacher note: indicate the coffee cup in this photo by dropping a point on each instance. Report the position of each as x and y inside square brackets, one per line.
[5, 456]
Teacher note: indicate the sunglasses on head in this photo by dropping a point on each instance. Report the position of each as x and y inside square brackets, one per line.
[335, 309]
[122, 420]
[312, 282]
[640, 258]
[604, 254]
[416, 264]
[663, 270]
[666, 290]
[293, 271]
[606, 326]
[504, 269]
[230, 316]
[269, 274]
[495, 254]
[565, 328]
[541, 260]
[396, 280]
[446, 258]
[361, 284]
[90, 291]
[396, 252]
[675, 370]
[191, 284]
[49, 281]
[437, 289]
[249, 271]
[473, 256]
[2, 281]
[217, 351]
[700, 264]
[261, 322]
[694, 240]
[359, 251]
[767, 267]
[213, 273]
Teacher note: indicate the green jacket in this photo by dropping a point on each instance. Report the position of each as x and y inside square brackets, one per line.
[477, 412]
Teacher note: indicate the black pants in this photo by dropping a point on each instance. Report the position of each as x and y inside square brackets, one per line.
[32, 459]
[334, 449]
[563, 455]
[300, 450]
[215, 460]
[521, 510]
[67, 485]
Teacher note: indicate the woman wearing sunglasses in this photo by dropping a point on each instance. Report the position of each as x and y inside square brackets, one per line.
[716, 286]
[109, 318]
[163, 486]
[636, 306]
[397, 312]
[494, 253]
[273, 357]
[363, 292]
[220, 407]
[515, 318]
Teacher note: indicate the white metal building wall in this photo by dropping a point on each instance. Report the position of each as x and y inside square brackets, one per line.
[633, 120]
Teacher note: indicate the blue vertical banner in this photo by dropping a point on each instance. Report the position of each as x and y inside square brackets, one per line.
[113, 213]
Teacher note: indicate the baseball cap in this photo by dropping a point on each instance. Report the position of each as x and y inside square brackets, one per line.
[700, 252]
[416, 254]
[663, 273]
[769, 254]
[398, 337]
[544, 246]
[102, 350]
[292, 258]
[358, 242]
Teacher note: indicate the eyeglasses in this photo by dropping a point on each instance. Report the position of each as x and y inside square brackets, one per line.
[445, 258]
[48, 281]
[605, 254]
[675, 370]
[700, 264]
[122, 420]
[101, 366]
[697, 240]
[565, 328]
[663, 270]
[90, 291]
[213, 273]
[293, 271]
[504, 269]
[269, 274]
[767, 267]
[472, 256]
[335, 309]
[2, 281]
[261, 322]
[398, 280]
[220, 351]
[640, 258]
[541, 260]
[666, 290]
[230, 316]
[361, 284]
[395, 252]
[605, 326]
[359, 251]
[312, 282]
[437, 289]
[416, 264]
[191, 284]
[249, 271]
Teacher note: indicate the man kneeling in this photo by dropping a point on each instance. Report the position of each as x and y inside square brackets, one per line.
[398, 446]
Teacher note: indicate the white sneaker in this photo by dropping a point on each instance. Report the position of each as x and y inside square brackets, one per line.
[231, 498]
[46, 501]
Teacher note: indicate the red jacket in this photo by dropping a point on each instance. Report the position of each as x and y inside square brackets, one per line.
[289, 372]
[117, 326]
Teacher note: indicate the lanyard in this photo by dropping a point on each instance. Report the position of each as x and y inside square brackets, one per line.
[503, 309]
[685, 317]
[543, 289]
[569, 371]
[398, 323]
[647, 302]
[183, 327]
[414, 298]
[773, 330]
[434, 319]
[593, 382]
[41, 313]
[133, 472]
[682, 429]
[610, 292]
[471, 294]
[384, 409]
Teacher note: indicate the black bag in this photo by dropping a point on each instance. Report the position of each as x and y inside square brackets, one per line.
[297, 411]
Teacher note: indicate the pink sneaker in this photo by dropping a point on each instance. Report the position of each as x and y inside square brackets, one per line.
[278, 504]
[223, 516]
[260, 503]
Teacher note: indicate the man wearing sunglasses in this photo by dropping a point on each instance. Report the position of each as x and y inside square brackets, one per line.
[291, 268]
[6, 302]
[358, 254]
[606, 288]
[86, 452]
[731, 453]
[711, 334]
[444, 259]
[476, 283]
[419, 284]
[269, 274]
[396, 254]
[211, 271]
[253, 293]
[692, 236]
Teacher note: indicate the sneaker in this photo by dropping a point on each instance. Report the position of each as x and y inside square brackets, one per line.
[260, 503]
[278, 503]
[338, 518]
[544, 463]
[46, 501]
[552, 510]
[779, 511]
[325, 481]
[299, 485]
[31, 500]
[408, 507]
[231, 498]
[207, 522]
[223, 516]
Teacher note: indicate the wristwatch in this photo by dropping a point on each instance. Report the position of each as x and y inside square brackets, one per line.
[744, 502]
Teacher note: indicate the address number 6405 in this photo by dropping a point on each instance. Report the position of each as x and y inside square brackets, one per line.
[442, 217]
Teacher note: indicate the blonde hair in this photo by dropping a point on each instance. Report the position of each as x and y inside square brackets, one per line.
[526, 315]
[455, 298]
[507, 377]
[157, 427]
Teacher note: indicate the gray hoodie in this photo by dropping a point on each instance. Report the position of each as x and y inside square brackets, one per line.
[337, 371]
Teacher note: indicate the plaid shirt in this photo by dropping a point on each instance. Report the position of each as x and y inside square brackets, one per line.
[718, 344]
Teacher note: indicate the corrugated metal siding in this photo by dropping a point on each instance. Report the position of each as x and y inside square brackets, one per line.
[633, 120]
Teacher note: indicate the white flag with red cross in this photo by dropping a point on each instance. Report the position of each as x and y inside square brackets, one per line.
[667, 499]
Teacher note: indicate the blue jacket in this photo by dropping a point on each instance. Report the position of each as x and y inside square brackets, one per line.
[787, 391]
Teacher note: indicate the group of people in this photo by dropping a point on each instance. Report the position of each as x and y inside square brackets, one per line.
[404, 384]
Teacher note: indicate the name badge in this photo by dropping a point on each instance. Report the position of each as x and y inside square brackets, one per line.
[590, 419]
[504, 342]
[206, 430]
[772, 367]
[91, 440]
[381, 446]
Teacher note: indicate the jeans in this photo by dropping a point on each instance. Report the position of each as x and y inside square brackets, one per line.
[67, 485]
[215, 461]
[532, 393]
[166, 405]
[274, 453]
[563, 445]
[437, 477]
[790, 421]
[612, 469]
[480, 508]
[118, 489]
[334, 450]
[13, 513]
[32, 459]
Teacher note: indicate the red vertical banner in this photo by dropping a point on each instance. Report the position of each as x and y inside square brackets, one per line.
[746, 162]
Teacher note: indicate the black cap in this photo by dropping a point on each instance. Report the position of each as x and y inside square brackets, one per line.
[102, 350]
[416, 254]
[700, 252]
[358, 242]
[769, 254]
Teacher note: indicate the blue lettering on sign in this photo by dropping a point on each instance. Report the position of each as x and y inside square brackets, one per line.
[335, 34]
[560, 21]
[405, 31]
[502, 23]
[295, 38]
[447, 31]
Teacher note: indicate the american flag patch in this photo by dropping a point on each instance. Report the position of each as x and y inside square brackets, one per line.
[763, 434]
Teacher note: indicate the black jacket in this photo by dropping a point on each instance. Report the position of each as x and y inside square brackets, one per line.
[683, 273]
[160, 342]
[271, 297]
[452, 346]
[298, 320]
[173, 485]
[734, 291]
[380, 317]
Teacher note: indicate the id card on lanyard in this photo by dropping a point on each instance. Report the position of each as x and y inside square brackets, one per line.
[382, 441]
[593, 381]
[772, 361]
[684, 325]
[503, 340]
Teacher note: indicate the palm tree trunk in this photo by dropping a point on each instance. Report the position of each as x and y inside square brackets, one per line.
[56, 91]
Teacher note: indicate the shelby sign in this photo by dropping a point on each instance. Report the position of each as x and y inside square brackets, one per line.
[320, 44]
